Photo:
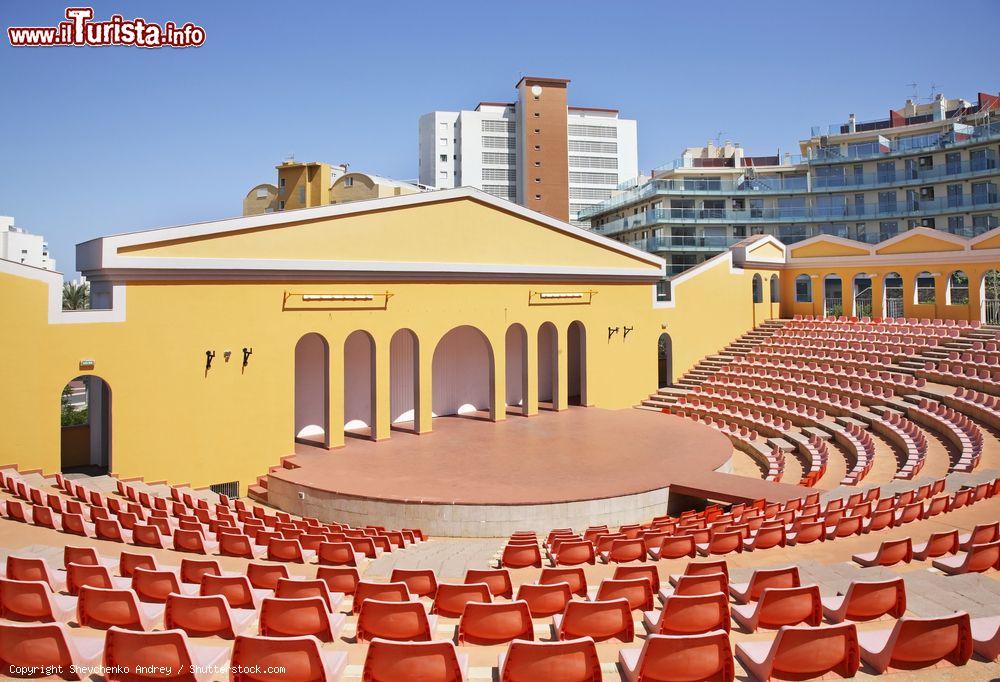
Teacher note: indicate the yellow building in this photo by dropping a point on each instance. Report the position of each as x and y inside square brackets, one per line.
[221, 343]
[311, 184]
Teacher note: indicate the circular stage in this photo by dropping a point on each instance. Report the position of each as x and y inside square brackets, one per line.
[474, 478]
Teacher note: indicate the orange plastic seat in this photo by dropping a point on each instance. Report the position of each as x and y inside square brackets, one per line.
[648, 571]
[209, 616]
[779, 606]
[544, 600]
[889, 553]
[380, 591]
[915, 643]
[600, 620]
[799, 653]
[32, 568]
[575, 577]
[722, 543]
[498, 580]
[192, 541]
[343, 579]
[625, 550]
[236, 589]
[78, 575]
[279, 659]
[128, 562]
[689, 615]
[866, 600]
[521, 555]
[400, 621]
[425, 661]
[154, 586]
[265, 576]
[637, 591]
[239, 545]
[978, 559]
[574, 553]
[336, 554]
[687, 585]
[572, 660]
[193, 570]
[289, 588]
[421, 582]
[32, 601]
[281, 549]
[675, 547]
[100, 608]
[495, 623]
[986, 637]
[702, 568]
[680, 658]
[451, 598]
[126, 652]
[46, 646]
[299, 617]
[762, 579]
[981, 534]
[937, 545]
[810, 531]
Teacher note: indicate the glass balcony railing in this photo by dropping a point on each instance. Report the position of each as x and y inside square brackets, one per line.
[960, 135]
[686, 243]
[904, 176]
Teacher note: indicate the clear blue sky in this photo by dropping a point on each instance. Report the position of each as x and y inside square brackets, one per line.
[97, 141]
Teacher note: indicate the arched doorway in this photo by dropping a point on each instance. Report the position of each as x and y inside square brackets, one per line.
[516, 353]
[664, 361]
[957, 292]
[85, 426]
[462, 374]
[312, 390]
[757, 289]
[359, 385]
[404, 377]
[989, 294]
[775, 289]
[892, 303]
[862, 295]
[833, 296]
[576, 363]
[548, 366]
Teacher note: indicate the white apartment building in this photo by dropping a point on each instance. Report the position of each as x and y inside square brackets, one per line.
[19, 246]
[538, 151]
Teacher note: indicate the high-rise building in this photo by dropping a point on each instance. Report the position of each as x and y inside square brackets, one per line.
[22, 247]
[538, 151]
[931, 165]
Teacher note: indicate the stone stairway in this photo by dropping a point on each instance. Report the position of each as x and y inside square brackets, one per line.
[940, 353]
[258, 491]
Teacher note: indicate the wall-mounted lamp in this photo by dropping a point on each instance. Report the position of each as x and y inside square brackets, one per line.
[227, 354]
[247, 352]
[209, 356]
[612, 331]
[627, 330]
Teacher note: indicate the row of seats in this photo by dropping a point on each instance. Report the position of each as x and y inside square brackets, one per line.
[909, 437]
[823, 321]
[958, 374]
[893, 380]
[954, 426]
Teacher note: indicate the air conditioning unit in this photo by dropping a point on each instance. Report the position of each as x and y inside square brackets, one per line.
[926, 192]
[927, 222]
[926, 162]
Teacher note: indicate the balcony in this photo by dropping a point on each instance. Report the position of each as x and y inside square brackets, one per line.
[694, 244]
[960, 135]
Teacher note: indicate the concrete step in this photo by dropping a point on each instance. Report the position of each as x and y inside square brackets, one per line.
[846, 421]
[255, 492]
[647, 408]
[689, 383]
[781, 444]
[818, 432]
[672, 390]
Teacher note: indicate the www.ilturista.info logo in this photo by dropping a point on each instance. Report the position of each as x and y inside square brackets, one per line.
[80, 30]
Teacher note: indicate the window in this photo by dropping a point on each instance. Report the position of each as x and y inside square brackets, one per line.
[499, 127]
[592, 131]
[593, 147]
[281, 182]
[984, 193]
[925, 294]
[758, 289]
[281, 205]
[956, 224]
[443, 142]
[886, 171]
[958, 288]
[859, 204]
[443, 157]
[887, 229]
[859, 174]
[506, 174]
[954, 195]
[592, 162]
[348, 182]
[443, 126]
[499, 158]
[490, 142]
[500, 191]
[886, 202]
[791, 207]
[984, 222]
[262, 193]
[775, 290]
[443, 175]
[830, 176]
[739, 230]
[953, 163]
[593, 178]
[982, 159]
[803, 289]
[589, 193]
[302, 195]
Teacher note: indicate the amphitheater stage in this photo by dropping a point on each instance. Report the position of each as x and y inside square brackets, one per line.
[474, 478]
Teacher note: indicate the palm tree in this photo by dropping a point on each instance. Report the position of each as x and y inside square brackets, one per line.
[76, 296]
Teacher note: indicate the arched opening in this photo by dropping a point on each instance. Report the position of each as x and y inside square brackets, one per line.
[359, 385]
[958, 288]
[758, 289]
[404, 377]
[548, 366]
[803, 289]
[892, 303]
[462, 374]
[516, 353]
[312, 390]
[664, 361]
[924, 292]
[833, 296]
[989, 294]
[85, 426]
[775, 289]
[862, 295]
[576, 363]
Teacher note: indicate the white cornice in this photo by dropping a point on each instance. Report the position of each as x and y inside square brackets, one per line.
[54, 283]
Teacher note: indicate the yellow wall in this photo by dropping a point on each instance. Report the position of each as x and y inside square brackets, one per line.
[174, 421]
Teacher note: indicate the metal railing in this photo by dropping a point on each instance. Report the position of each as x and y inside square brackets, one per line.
[991, 311]
[833, 306]
[893, 307]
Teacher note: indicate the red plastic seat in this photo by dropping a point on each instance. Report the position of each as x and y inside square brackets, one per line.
[495, 623]
[800, 653]
[380, 591]
[78, 575]
[648, 571]
[889, 553]
[192, 541]
[762, 579]
[278, 659]
[421, 582]
[575, 577]
[281, 549]
[979, 559]
[516, 555]
[986, 637]
[981, 534]
[915, 643]
[702, 568]
[574, 553]
[126, 652]
[544, 600]
[193, 570]
[32, 568]
[128, 562]
[680, 658]
[709, 583]
[937, 545]
[236, 589]
[265, 576]
[625, 550]
[102, 609]
[289, 588]
[33, 601]
[675, 547]
[154, 586]
[337, 554]
[451, 598]
[600, 620]
[688, 615]
[343, 579]
[498, 580]
[779, 606]
[722, 543]
[239, 545]
[637, 591]
[866, 600]
[47, 646]
[209, 616]
[395, 620]
[299, 617]
[572, 660]
[425, 661]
